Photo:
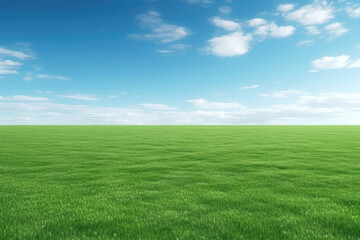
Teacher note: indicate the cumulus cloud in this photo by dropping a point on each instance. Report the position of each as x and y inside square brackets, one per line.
[274, 30]
[256, 22]
[226, 24]
[202, 103]
[230, 45]
[160, 31]
[355, 64]
[285, 7]
[336, 29]
[331, 62]
[319, 12]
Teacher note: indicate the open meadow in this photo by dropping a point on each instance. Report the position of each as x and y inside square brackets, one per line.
[179, 182]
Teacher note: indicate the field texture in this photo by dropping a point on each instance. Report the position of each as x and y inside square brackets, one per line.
[179, 182]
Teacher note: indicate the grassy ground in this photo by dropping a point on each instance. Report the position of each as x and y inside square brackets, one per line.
[172, 182]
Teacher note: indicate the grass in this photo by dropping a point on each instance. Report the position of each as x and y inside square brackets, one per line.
[179, 182]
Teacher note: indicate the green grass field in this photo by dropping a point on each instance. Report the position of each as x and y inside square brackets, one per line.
[179, 182]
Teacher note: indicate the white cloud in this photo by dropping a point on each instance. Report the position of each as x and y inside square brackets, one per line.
[45, 92]
[7, 67]
[79, 97]
[305, 43]
[256, 22]
[318, 12]
[230, 45]
[250, 87]
[283, 94]
[44, 76]
[179, 46]
[160, 30]
[331, 62]
[324, 108]
[7, 71]
[172, 49]
[353, 12]
[332, 100]
[226, 24]
[155, 106]
[312, 30]
[28, 76]
[274, 30]
[9, 63]
[285, 7]
[201, 1]
[336, 29]
[164, 51]
[225, 9]
[355, 64]
[202, 103]
[23, 98]
[15, 54]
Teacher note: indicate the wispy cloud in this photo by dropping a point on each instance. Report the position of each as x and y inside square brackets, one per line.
[23, 98]
[336, 29]
[202, 103]
[283, 94]
[15, 54]
[225, 9]
[79, 97]
[323, 108]
[331, 62]
[45, 76]
[313, 30]
[156, 106]
[354, 11]
[305, 43]
[7, 71]
[250, 87]
[201, 1]
[160, 31]
[8, 66]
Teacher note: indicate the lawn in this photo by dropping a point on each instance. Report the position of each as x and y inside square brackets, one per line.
[179, 182]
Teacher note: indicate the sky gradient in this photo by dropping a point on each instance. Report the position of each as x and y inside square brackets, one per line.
[179, 62]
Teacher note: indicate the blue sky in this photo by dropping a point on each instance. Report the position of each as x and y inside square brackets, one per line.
[179, 62]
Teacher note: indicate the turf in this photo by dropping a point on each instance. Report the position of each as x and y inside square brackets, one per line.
[179, 182]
